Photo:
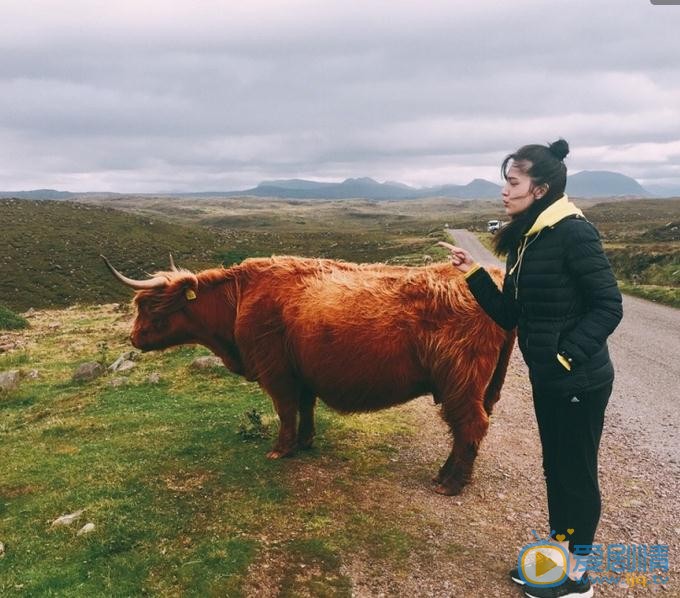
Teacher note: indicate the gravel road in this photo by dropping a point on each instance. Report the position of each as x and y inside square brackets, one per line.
[645, 349]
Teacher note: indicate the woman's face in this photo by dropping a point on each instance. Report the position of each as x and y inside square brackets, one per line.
[517, 192]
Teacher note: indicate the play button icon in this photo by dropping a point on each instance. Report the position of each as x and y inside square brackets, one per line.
[543, 564]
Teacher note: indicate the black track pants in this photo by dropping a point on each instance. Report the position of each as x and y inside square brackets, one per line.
[570, 428]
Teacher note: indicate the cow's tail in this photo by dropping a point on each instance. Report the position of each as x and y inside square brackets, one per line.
[493, 391]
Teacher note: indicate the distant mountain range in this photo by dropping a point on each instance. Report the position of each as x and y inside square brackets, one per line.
[367, 188]
[588, 183]
[39, 194]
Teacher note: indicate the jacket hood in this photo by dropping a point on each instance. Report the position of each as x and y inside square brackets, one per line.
[555, 212]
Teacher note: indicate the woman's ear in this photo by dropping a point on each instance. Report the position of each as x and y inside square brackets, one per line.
[539, 192]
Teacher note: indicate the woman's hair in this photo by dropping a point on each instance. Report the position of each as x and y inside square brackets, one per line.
[544, 164]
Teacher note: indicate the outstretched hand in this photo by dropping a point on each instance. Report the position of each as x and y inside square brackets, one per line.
[460, 258]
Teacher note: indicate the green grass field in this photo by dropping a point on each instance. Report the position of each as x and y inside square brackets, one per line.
[182, 504]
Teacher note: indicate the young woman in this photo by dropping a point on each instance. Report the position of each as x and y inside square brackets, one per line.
[559, 290]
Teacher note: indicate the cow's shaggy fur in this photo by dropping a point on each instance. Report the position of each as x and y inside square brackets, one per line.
[360, 337]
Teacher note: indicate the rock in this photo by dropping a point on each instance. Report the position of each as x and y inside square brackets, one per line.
[86, 529]
[54, 325]
[9, 380]
[122, 365]
[117, 382]
[67, 519]
[29, 313]
[154, 378]
[131, 355]
[206, 363]
[125, 361]
[2, 550]
[33, 374]
[88, 371]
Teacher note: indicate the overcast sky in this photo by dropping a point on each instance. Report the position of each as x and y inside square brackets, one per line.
[150, 95]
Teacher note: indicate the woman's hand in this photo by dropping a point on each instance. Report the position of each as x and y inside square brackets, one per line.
[460, 258]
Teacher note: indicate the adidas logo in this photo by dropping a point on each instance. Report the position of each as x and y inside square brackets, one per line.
[575, 400]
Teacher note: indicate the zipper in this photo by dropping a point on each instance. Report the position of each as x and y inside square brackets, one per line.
[520, 257]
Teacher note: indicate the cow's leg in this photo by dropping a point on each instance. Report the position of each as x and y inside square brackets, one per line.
[286, 443]
[306, 423]
[441, 474]
[285, 394]
[468, 422]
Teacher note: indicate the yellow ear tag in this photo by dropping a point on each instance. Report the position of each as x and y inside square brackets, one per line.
[190, 294]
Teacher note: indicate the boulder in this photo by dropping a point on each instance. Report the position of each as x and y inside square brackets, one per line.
[206, 363]
[9, 380]
[88, 528]
[88, 371]
[125, 362]
[122, 365]
[67, 519]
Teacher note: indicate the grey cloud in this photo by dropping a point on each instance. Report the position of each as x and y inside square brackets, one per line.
[221, 94]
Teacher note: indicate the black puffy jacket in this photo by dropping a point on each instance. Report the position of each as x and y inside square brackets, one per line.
[561, 293]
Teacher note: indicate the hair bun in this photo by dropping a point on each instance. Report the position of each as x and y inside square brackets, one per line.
[559, 149]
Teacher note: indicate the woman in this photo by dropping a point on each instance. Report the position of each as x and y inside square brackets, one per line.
[559, 290]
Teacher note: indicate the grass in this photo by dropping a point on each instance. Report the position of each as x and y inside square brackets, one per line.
[181, 502]
[659, 294]
[52, 251]
[52, 257]
[11, 321]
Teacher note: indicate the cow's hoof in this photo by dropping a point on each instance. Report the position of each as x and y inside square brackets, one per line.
[437, 479]
[449, 489]
[277, 454]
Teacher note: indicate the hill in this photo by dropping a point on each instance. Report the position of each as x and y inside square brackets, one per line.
[38, 194]
[602, 183]
[367, 188]
[52, 252]
[52, 256]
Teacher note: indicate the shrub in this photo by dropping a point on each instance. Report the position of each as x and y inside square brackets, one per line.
[11, 321]
[253, 426]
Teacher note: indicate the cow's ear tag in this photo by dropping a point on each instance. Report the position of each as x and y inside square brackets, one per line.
[190, 294]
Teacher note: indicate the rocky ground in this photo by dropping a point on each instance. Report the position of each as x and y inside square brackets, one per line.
[480, 532]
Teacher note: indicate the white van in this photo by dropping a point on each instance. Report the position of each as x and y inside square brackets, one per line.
[493, 225]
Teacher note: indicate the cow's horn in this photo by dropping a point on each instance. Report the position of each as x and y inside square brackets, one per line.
[172, 263]
[152, 283]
